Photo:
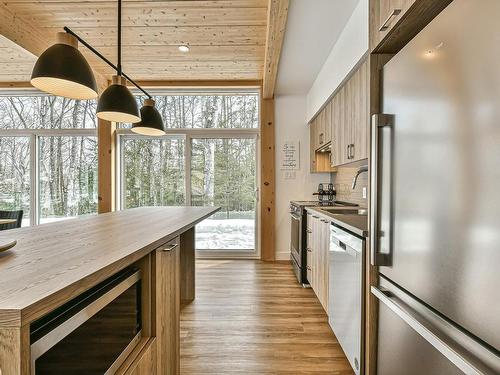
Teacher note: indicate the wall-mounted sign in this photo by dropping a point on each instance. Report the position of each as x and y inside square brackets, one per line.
[290, 155]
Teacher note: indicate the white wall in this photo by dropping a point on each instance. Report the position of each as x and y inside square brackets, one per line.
[290, 120]
[351, 45]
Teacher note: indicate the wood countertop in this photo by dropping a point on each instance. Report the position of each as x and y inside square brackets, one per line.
[55, 262]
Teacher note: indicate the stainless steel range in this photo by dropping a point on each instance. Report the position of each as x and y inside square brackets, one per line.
[298, 229]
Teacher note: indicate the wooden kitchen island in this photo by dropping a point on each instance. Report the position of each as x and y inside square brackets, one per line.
[67, 263]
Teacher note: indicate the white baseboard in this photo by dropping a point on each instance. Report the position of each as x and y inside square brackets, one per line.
[283, 255]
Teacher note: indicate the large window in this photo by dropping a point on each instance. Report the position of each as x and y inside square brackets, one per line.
[208, 157]
[215, 111]
[67, 177]
[153, 171]
[15, 186]
[48, 157]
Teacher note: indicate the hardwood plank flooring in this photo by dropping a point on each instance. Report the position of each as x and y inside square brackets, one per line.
[251, 317]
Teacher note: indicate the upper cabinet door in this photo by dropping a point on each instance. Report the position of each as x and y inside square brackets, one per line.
[328, 122]
[314, 134]
[312, 147]
[360, 116]
[388, 13]
[341, 137]
[322, 128]
[336, 125]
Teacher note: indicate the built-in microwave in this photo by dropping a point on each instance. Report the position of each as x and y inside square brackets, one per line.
[93, 333]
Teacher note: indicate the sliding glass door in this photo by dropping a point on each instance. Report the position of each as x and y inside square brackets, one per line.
[152, 171]
[223, 173]
[207, 158]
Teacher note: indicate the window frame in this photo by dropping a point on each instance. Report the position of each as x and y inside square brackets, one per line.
[188, 134]
[34, 138]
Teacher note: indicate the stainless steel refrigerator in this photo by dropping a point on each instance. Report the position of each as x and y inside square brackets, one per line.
[436, 199]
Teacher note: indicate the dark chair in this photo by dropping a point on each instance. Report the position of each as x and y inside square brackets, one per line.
[17, 215]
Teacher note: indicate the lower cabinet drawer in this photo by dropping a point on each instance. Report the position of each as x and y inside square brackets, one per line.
[145, 363]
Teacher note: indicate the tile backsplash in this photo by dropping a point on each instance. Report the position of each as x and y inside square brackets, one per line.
[342, 181]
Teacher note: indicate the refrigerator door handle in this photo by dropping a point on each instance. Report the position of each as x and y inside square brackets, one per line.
[377, 258]
[436, 337]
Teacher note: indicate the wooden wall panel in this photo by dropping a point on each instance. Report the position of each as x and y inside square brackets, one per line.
[267, 177]
[106, 139]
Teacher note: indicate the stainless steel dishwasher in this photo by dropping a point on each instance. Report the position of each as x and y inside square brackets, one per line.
[345, 293]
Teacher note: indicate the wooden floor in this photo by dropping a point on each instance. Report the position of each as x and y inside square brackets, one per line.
[253, 318]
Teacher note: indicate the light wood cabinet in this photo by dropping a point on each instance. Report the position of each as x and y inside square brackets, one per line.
[322, 267]
[343, 124]
[167, 307]
[318, 243]
[360, 115]
[385, 15]
[320, 161]
[321, 130]
[350, 125]
[145, 363]
[312, 149]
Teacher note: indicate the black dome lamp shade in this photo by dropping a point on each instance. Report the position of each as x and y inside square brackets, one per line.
[63, 71]
[117, 103]
[151, 122]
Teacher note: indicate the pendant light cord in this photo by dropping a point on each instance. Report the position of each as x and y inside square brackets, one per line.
[117, 67]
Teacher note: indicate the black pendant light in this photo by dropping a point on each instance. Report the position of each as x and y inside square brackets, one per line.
[63, 71]
[117, 103]
[151, 122]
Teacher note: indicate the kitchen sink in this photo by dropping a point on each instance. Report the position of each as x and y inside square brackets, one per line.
[345, 211]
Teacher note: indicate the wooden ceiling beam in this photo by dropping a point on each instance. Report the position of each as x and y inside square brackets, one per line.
[276, 23]
[33, 40]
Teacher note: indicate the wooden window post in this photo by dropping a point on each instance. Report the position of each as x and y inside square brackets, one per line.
[106, 138]
[267, 180]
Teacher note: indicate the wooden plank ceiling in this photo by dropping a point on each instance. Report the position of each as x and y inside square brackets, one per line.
[227, 38]
[15, 62]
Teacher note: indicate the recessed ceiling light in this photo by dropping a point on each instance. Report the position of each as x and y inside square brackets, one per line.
[184, 48]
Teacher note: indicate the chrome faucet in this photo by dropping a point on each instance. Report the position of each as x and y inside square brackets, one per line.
[361, 169]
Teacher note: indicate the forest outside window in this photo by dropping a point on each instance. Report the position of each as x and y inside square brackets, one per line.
[48, 157]
[208, 157]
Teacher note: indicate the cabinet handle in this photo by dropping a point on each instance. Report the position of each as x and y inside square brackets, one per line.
[324, 221]
[321, 138]
[309, 250]
[308, 268]
[308, 231]
[389, 19]
[169, 247]
[352, 150]
[348, 151]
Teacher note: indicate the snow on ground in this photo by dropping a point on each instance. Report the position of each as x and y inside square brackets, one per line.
[213, 234]
[226, 234]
